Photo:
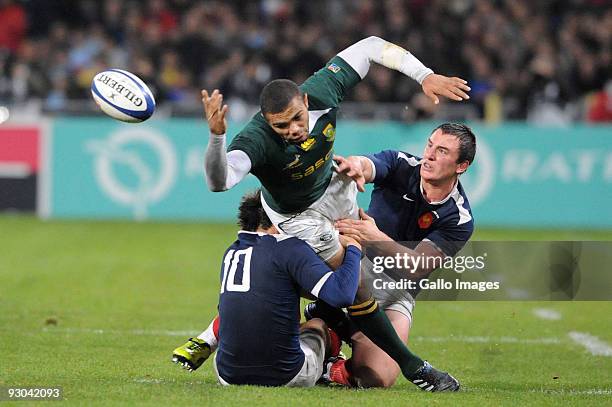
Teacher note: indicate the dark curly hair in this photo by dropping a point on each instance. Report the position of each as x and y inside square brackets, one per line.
[251, 214]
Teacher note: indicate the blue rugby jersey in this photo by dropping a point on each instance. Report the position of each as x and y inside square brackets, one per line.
[401, 212]
[259, 304]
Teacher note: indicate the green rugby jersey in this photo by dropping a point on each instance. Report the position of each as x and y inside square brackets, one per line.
[293, 176]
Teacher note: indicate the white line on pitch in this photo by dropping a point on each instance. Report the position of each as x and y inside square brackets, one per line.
[569, 392]
[464, 339]
[488, 339]
[593, 344]
[572, 392]
[167, 380]
[152, 332]
[547, 313]
[148, 380]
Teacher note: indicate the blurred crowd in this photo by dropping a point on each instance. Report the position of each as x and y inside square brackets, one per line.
[547, 60]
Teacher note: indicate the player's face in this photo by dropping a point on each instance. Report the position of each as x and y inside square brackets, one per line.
[292, 123]
[440, 158]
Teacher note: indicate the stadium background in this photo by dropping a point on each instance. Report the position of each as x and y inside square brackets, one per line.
[80, 278]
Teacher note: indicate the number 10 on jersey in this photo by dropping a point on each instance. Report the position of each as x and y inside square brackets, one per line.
[230, 266]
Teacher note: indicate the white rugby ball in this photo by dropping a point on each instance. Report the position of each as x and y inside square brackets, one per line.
[123, 95]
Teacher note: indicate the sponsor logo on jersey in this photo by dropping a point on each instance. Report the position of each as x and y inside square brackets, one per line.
[293, 164]
[334, 68]
[329, 132]
[406, 197]
[307, 145]
[425, 220]
[312, 168]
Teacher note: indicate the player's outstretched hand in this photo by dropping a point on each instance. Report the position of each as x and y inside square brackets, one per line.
[439, 85]
[351, 167]
[346, 241]
[214, 111]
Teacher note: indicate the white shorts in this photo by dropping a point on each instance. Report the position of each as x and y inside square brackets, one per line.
[396, 300]
[315, 225]
[313, 346]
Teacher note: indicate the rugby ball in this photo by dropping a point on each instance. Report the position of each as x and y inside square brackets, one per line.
[123, 96]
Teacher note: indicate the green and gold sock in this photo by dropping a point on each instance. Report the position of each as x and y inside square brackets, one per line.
[375, 324]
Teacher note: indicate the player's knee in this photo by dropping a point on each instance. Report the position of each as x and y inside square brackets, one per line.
[378, 379]
[388, 379]
[317, 325]
[384, 382]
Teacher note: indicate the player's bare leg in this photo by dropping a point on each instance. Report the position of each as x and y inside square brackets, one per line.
[318, 326]
[375, 324]
[371, 366]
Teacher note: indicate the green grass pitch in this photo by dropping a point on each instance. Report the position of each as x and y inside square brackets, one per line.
[97, 307]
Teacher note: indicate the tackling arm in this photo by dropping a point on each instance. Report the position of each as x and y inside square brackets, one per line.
[364, 230]
[430, 258]
[338, 288]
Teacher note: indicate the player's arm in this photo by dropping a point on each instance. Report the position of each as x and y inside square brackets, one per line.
[364, 230]
[223, 170]
[431, 257]
[337, 288]
[364, 170]
[360, 168]
[374, 49]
